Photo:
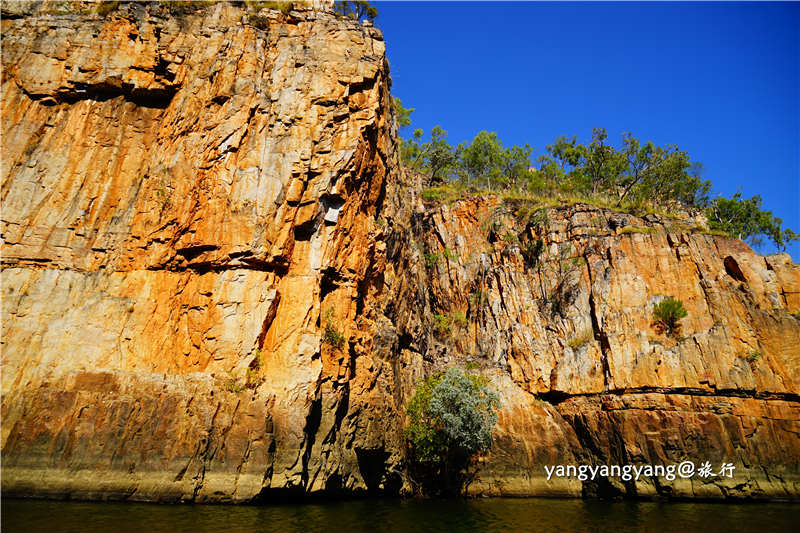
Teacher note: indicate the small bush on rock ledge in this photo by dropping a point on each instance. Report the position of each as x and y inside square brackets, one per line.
[451, 417]
[332, 335]
[667, 315]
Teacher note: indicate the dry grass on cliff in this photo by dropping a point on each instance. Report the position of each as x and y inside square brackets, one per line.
[283, 7]
[637, 229]
[451, 192]
[522, 203]
[580, 339]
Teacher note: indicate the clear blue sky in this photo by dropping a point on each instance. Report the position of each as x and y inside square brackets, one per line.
[720, 80]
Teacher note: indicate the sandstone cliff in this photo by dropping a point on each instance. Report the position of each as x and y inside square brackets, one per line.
[190, 201]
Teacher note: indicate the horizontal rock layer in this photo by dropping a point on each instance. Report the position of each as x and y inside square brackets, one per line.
[218, 285]
[557, 306]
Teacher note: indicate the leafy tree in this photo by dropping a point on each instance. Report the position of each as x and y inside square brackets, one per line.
[560, 162]
[602, 164]
[450, 419]
[411, 153]
[356, 9]
[403, 114]
[744, 219]
[439, 156]
[676, 180]
[640, 165]
[482, 158]
[515, 163]
[638, 172]
[410, 150]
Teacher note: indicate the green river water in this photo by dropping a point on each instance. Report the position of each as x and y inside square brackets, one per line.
[379, 516]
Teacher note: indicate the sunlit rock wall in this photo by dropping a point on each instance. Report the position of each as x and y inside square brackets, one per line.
[181, 194]
[218, 285]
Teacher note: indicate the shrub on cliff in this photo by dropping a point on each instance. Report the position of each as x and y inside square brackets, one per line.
[283, 7]
[559, 276]
[450, 419]
[106, 8]
[258, 21]
[332, 335]
[667, 315]
[186, 7]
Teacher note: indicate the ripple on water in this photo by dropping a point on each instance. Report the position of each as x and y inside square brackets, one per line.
[379, 516]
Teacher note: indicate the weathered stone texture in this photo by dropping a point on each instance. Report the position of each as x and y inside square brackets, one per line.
[180, 195]
[189, 202]
[594, 367]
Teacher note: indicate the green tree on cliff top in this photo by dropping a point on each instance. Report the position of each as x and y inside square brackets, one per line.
[356, 9]
[744, 219]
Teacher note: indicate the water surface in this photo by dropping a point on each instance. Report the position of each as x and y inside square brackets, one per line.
[379, 516]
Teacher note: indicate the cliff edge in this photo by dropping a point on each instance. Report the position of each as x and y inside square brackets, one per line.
[219, 285]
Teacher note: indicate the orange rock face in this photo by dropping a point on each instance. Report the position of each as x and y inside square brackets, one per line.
[183, 200]
[218, 285]
[557, 306]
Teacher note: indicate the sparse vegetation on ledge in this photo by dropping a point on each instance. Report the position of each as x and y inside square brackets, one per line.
[332, 336]
[752, 357]
[637, 177]
[636, 229]
[667, 315]
[283, 7]
[580, 339]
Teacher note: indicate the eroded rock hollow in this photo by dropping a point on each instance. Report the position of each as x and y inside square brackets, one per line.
[192, 202]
